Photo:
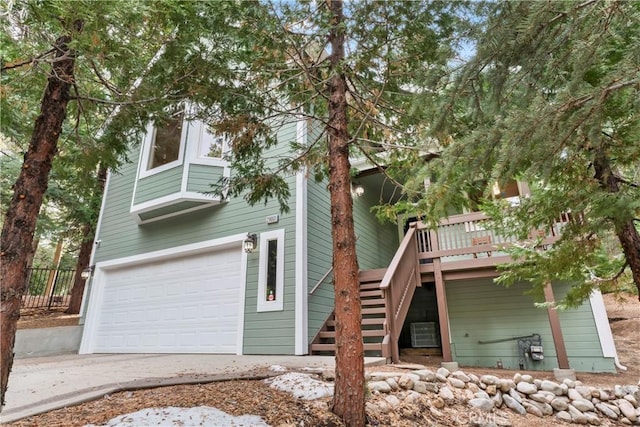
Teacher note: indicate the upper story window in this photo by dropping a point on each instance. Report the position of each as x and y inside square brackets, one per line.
[211, 146]
[166, 144]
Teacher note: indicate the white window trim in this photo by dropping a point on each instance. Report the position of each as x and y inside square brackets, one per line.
[198, 130]
[263, 303]
[190, 140]
[144, 170]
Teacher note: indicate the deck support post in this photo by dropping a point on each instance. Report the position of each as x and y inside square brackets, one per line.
[441, 296]
[556, 329]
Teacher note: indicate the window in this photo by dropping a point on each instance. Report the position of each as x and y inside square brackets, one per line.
[211, 146]
[271, 273]
[166, 144]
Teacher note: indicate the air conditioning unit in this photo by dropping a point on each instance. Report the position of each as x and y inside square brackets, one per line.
[425, 334]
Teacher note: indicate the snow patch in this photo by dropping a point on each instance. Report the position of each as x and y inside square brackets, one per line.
[172, 416]
[278, 368]
[301, 386]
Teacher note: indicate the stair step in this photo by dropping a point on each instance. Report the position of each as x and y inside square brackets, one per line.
[368, 294]
[372, 321]
[365, 333]
[377, 301]
[332, 347]
[369, 286]
[374, 310]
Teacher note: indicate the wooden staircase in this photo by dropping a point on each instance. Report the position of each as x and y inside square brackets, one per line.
[374, 321]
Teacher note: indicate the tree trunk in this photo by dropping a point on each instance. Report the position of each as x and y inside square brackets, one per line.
[29, 189]
[84, 256]
[625, 229]
[348, 400]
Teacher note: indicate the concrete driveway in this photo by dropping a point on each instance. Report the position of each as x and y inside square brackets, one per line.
[38, 385]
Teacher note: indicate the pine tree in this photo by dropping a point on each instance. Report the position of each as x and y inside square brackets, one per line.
[551, 97]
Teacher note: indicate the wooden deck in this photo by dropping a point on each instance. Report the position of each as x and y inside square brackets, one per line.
[460, 247]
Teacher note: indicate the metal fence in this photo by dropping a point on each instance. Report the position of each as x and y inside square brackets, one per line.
[48, 287]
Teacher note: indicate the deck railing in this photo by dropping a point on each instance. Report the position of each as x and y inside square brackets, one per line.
[469, 236]
[398, 285]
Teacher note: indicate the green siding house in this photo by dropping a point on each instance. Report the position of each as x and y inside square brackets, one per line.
[171, 273]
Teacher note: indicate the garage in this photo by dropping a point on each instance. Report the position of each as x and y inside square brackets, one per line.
[184, 303]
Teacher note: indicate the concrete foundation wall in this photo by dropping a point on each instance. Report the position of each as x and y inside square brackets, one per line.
[47, 341]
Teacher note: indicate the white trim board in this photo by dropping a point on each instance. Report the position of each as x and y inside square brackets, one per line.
[301, 259]
[605, 335]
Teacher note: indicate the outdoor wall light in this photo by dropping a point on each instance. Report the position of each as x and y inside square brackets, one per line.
[357, 190]
[86, 273]
[250, 242]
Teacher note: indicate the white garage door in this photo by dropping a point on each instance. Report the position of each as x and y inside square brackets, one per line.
[186, 304]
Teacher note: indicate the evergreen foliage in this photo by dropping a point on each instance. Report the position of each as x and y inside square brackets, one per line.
[551, 97]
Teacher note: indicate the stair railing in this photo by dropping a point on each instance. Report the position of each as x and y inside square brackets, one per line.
[321, 281]
[398, 285]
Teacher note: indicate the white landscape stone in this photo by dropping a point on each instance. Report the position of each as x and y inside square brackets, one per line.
[526, 387]
[392, 400]
[406, 381]
[446, 394]
[497, 399]
[456, 382]
[573, 394]
[443, 371]
[631, 399]
[514, 405]
[461, 376]
[379, 386]
[441, 378]
[583, 405]
[483, 404]
[577, 416]
[606, 411]
[506, 385]
[532, 409]
[425, 375]
[552, 387]
[584, 392]
[393, 383]
[514, 394]
[593, 419]
[481, 394]
[527, 378]
[564, 416]
[490, 379]
[627, 409]
[560, 404]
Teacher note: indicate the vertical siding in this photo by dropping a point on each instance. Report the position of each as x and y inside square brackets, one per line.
[480, 310]
[121, 236]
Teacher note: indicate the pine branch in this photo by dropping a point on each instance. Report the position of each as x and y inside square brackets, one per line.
[579, 102]
[597, 279]
[626, 182]
[11, 66]
[118, 103]
[103, 80]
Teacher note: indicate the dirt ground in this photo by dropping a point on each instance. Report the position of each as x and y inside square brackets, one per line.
[281, 409]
